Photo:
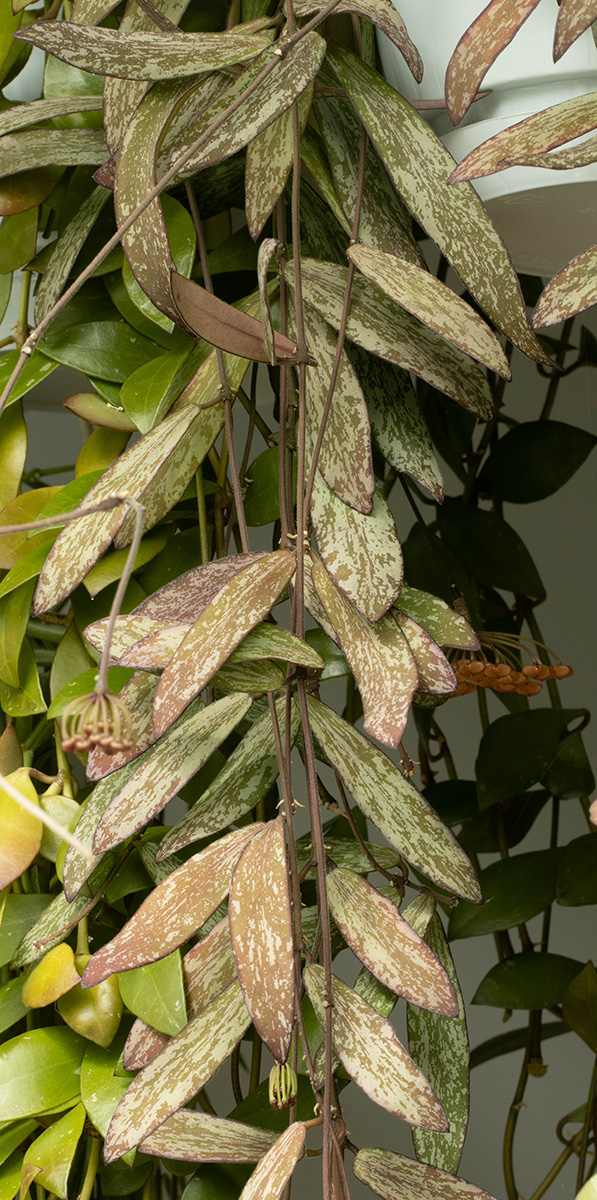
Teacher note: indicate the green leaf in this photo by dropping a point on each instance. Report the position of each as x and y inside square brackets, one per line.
[454, 800]
[66, 250]
[54, 1150]
[214, 1182]
[534, 459]
[12, 1008]
[70, 660]
[489, 549]
[108, 349]
[18, 239]
[27, 699]
[101, 1088]
[111, 568]
[336, 665]
[269, 159]
[119, 1179]
[570, 773]
[28, 567]
[580, 1006]
[13, 1134]
[446, 627]
[37, 368]
[117, 677]
[528, 980]
[14, 614]
[577, 876]
[58, 919]
[514, 890]
[39, 1071]
[19, 913]
[509, 821]
[360, 550]
[516, 751]
[506, 1043]
[10, 1176]
[156, 993]
[182, 241]
[150, 391]
[51, 147]
[262, 498]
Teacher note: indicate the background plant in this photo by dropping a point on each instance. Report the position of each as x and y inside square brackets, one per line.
[214, 937]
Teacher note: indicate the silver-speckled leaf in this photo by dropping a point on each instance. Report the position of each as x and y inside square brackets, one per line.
[138, 695]
[169, 765]
[269, 159]
[292, 74]
[385, 221]
[395, 1177]
[142, 54]
[571, 291]
[346, 852]
[82, 542]
[573, 18]
[51, 147]
[153, 652]
[77, 868]
[536, 134]
[185, 598]
[433, 303]
[236, 609]
[273, 1172]
[441, 1049]
[360, 550]
[65, 252]
[382, 14]
[22, 115]
[368, 1048]
[142, 1045]
[445, 626]
[128, 630]
[174, 910]
[178, 1073]
[268, 249]
[90, 12]
[485, 38]
[418, 915]
[261, 933]
[397, 423]
[249, 773]
[380, 659]
[314, 158]
[59, 919]
[382, 327]
[579, 155]
[455, 218]
[254, 677]
[391, 801]
[387, 945]
[435, 672]
[198, 1137]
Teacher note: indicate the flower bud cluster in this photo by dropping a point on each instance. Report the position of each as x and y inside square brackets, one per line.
[472, 673]
[97, 719]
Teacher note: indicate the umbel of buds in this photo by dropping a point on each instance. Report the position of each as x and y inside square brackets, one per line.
[282, 1085]
[505, 671]
[97, 719]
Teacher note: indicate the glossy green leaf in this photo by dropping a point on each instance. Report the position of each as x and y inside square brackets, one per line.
[262, 499]
[516, 751]
[509, 821]
[12, 1008]
[19, 914]
[156, 993]
[360, 550]
[18, 238]
[37, 368]
[39, 1071]
[395, 1177]
[82, 684]
[54, 1150]
[101, 1088]
[108, 349]
[55, 974]
[489, 548]
[150, 391]
[14, 614]
[13, 1134]
[27, 699]
[13, 451]
[528, 980]
[570, 773]
[577, 875]
[580, 1006]
[534, 459]
[336, 665]
[506, 1043]
[10, 1176]
[514, 890]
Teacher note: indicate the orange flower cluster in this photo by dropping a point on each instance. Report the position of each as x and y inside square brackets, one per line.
[472, 673]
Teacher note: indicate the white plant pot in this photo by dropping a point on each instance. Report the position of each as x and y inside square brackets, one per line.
[545, 217]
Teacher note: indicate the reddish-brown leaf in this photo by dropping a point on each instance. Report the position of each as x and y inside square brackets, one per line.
[206, 316]
[395, 1177]
[185, 598]
[488, 35]
[573, 18]
[198, 1137]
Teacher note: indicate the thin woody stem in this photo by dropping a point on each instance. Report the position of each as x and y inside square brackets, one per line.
[139, 511]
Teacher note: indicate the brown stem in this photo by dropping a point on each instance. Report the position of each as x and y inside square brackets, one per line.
[139, 511]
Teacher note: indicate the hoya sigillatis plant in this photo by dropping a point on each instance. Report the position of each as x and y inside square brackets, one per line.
[234, 204]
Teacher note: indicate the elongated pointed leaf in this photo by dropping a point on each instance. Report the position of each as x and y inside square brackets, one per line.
[371, 1053]
[419, 165]
[389, 799]
[386, 944]
[141, 54]
[360, 550]
[379, 325]
[178, 1073]
[478, 48]
[535, 134]
[251, 770]
[558, 160]
[66, 251]
[382, 14]
[571, 291]
[261, 933]
[175, 759]
[446, 627]
[269, 159]
[54, 1150]
[573, 18]
[59, 919]
[395, 1177]
[240, 605]
[185, 598]
[51, 147]
[379, 657]
[440, 1048]
[270, 1177]
[21, 115]
[137, 695]
[174, 910]
[154, 651]
[197, 1137]
[77, 868]
[434, 670]
[206, 316]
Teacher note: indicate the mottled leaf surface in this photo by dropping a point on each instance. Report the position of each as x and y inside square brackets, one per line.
[395, 1177]
[371, 1053]
[197, 1137]
[268, 163]
[571, 291]
[271, 1175]
[485, 38]
[138, 695]
[21, 115]
[360, 550]
[534, 135]
[185, 598]
[385, 16]
[445, 626]
[573, 18]
[66, 250]
[389, 799]
[51, 147]
[434, 670]
[58, 919]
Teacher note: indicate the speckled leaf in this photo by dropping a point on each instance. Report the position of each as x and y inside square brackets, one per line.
[478, 48]
[536, 134]
[138, 695]
[360, 550]
[91, 12]
[559, 160]
[154, 651]
[345, 852]
[268, 249]
[292, 74]
[433, 303]
[384, 222]
[197, 1137]
[81, 543]
[379, 325]
[66, 250]
[261, 933]
[254, 677]
[184, 599]
[169, 765]
[142, 1045]
[573, 18]
[249, 773]
[51, 147]
[571, 291]
[59, 918]
[395, 1177]
[179, 1072]
[345, 456]
[174, 910]
[272, 641]
[391, 801]
[76, 868]
[269, 159]
[206, 316]
[239, 606]
[454, 218]
[440, 1048]
[21, 115]
[371, 1053]
[314, 158]
[418, 915]
[446, 627]
[141, 54]
[435, 672]
[382, 14]
[379, 657]
[387, 945]
[128, 631]
[273, 1172]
